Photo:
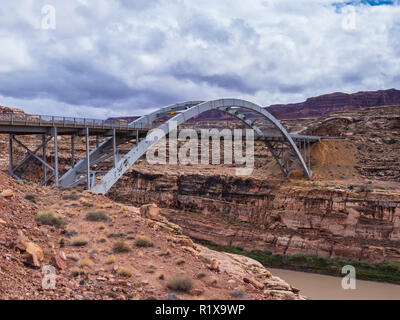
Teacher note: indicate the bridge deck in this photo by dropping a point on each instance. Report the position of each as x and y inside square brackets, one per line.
[24, 124]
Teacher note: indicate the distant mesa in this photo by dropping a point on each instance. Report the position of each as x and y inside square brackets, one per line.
[315, 106]
[338, 101]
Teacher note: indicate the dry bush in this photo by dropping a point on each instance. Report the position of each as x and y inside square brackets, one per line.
[30, 197]
[86, 262]
[143, 242]
[97, 216]
[121, 247]
[49, 218]
[183, 284]
[80, 241]
[110, 260]
[125, 272]
[71, 196]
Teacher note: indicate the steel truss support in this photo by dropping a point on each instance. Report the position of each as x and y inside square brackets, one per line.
[78, 174]
[34, 154]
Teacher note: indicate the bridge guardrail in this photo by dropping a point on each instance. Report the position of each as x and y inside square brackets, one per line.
[46, 120]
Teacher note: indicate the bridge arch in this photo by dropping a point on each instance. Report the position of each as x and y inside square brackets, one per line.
[252, 115]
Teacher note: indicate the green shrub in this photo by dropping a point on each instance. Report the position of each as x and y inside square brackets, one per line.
[70, 196]
[125, 272]
[30, 197]
[143, 241]
[121, 247]
[183, 284]
[80, 241]
[49, 218]
[97, 216]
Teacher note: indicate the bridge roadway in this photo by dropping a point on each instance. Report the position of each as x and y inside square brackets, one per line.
[26, 124]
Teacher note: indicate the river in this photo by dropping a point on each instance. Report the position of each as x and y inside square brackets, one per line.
[322, 287]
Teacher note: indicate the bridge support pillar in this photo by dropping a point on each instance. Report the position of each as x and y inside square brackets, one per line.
[88, 182]
[115, 155]
[45, 159]
[73, 151]
[10, 152]
[56, 173]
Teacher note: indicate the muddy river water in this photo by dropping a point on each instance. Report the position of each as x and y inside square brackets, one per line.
[321, 287]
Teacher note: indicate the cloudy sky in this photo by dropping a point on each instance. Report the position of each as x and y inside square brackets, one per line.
[128, 57]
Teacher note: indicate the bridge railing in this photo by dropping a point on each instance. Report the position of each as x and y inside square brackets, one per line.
[46, 120]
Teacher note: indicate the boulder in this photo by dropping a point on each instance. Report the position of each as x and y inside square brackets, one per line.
[33, 249]
[3, 223]
[7, 193]
[150, 211]
[57, 260]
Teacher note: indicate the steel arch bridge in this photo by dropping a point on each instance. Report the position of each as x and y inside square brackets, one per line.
[255, 117]
[291, 151]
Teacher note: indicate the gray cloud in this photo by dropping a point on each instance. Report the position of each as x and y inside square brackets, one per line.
[127, 57]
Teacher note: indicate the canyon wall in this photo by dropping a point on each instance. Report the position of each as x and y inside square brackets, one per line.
[275, 216]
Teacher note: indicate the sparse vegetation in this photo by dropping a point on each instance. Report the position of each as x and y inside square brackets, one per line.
[87, 204]
[50, 218]
[178, 283]
[125, 272]
[70, 196]
[79, 241]
[121, 247]
[75, 271]
[97, 216]
[110, 260]
[180, 261]
[30, 197]
[86, 262]
[144, 242]
[237, 294]
[201, 276]
[386, 272]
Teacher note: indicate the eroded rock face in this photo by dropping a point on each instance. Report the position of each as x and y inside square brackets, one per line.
[277, 217]
[338, 101]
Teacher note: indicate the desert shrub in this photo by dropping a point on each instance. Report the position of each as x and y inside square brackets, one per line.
[75, 271]
[125, 272]
[237, 294]
[70, 196]
[121, 247]
[183, 284]
[87, 204]
[201, 276]
[30, 197]
[110, 260]
[143, 241]
[180, 261]
[49, 218]
[161, 276]
[85, 262]
[79, 241]
[97, 216]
